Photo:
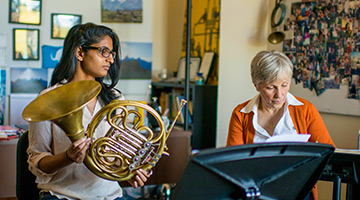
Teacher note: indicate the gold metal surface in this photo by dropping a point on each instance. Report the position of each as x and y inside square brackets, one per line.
[276, 37]
[124, 148]
[63, 105]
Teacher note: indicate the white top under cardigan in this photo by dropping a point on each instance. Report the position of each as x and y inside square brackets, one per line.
[74, 181]
[285, 124]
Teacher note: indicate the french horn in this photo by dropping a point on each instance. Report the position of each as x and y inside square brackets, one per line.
[124, 148]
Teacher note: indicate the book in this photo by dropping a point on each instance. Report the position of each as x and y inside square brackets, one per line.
[178, 102]
[164, 102]
[8, 132]
[8, 129]
[190, 105]
[177, 106]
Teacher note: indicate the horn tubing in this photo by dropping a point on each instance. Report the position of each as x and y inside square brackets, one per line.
[130, 138]
[139, 136]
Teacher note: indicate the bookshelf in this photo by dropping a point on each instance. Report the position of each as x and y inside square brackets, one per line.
[204, 108]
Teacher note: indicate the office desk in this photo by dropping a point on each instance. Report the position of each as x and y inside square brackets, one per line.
[8, 168]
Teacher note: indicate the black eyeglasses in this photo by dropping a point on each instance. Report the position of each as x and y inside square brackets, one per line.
[104, 51]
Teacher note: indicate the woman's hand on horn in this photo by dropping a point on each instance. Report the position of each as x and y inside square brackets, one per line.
[140, 178]
[77, 150]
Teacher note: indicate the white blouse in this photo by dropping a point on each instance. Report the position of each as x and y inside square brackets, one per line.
[74, 181]
[285, 124]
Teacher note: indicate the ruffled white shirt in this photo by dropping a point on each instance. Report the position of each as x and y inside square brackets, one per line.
[74, 181]
[285, 124]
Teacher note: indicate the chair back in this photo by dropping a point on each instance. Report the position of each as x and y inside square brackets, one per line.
[26, 188]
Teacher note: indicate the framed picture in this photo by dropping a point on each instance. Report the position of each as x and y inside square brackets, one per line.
[25, 12]
[137, 62]
[25, 44]
[122, 11]
[206, 64]
[194, 68]
[61, 23]
[28, 80]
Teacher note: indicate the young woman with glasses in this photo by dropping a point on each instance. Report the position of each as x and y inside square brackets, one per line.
[91, 52]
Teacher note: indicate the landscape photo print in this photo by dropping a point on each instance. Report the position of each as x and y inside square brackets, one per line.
[121, 11]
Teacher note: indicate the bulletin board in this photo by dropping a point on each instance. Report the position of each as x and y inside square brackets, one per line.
[323, 43]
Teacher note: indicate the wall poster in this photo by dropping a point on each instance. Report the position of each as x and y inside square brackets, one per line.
[122, 11]
[61, 24]
[28, 80]
[205, 32]
[325, 45]
[137, 60]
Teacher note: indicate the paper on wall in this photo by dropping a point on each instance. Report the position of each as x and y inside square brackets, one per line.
[2, 39]
[2, 49]
[2, 56]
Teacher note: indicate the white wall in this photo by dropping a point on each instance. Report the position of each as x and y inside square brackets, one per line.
[167, 31]
[243, 33]
[147, 31]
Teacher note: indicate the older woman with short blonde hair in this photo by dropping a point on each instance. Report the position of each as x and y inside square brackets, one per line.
[267, 66]
[274, 111]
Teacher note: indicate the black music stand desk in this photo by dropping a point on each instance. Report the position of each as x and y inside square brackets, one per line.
[254, 171]
[344, 167]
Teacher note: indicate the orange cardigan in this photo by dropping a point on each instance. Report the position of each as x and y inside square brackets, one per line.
[306, 119]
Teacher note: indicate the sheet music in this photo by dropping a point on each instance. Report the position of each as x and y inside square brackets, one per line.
[349, 151]
[289, 138]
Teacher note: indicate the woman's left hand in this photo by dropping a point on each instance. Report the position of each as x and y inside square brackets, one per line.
[140, 178]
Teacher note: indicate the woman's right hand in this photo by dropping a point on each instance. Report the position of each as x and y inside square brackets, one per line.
[75, 153]
[77, 150]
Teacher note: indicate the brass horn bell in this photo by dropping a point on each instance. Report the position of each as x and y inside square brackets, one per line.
[124, 148]
[277, 36]
[63, 108]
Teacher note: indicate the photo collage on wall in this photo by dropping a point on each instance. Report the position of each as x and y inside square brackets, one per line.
[325, 45]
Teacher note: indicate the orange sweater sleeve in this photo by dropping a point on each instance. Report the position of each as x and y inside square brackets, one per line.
[307, 120]
[235, 134]
[241, 130]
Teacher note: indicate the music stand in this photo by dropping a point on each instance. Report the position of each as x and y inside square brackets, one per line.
[254, 171]
[344, 167]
